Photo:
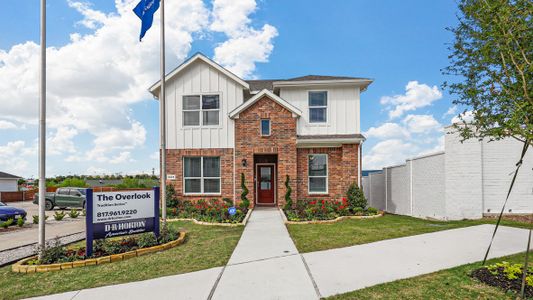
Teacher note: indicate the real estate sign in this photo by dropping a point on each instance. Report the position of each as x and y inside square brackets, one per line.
[111, 214]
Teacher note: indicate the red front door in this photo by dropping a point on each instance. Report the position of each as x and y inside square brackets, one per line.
[265, 184]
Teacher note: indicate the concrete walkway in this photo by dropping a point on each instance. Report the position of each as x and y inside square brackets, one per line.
[266, 264]
[337, 271]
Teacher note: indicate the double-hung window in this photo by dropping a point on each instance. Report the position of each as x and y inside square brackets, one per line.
[201, 175]
[318, 107]
[201, 110]
[318, 173]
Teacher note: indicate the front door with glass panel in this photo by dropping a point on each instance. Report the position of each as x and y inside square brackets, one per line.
[265, 184]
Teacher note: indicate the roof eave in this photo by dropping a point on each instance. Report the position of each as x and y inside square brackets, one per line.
[157, 85]
[234, 114]
[359, 82]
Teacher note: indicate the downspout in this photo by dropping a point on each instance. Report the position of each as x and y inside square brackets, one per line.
[234, 160]
[386, 189]
[359, 167]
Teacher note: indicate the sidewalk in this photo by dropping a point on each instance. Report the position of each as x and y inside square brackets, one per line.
[266, 264]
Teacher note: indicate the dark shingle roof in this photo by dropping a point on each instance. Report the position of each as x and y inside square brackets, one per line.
[321, 77]
[4, 175]
[257, 85]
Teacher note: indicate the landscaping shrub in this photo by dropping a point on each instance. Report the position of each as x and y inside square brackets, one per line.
[36, 219]
[7, 223]
[506, 276]
[245, 203]
[213, 211]
[52, 252]
[20, 222]
[146, 239]
[325, 209]
[168, 234]
[356, 197]
[288, 200]
[372, 211]
[73, 214]
[172, 200]
[59, 215]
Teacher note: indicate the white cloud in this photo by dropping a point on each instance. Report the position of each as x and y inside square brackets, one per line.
[93, 79]
[7, 125]
[122, 157]
[467, 116]
[61, 141]
[451, 111]
[386, 131]
[421, 123]
[416, 96]
[245, 45]
[388, 153]
[92, 170]
[14, 157]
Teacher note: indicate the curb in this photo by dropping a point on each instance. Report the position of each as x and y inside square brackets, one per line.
[286, 221]
[20, 267]
[243, 223]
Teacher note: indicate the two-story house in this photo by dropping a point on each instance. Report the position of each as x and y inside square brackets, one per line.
[220, 126]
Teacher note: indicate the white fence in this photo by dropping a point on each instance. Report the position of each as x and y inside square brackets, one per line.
[467, 180]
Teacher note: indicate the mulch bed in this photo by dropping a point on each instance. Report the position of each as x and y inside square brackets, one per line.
[501, 281]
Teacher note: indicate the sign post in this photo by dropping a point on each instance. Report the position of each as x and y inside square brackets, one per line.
[112, 214]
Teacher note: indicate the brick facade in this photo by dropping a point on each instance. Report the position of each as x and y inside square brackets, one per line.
[175, 167]
[342, 170]
[281, 142]
[279, 147]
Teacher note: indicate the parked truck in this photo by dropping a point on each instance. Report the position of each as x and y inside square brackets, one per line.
[72, 197]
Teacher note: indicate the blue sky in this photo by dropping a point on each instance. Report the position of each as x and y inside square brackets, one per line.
[103, 121]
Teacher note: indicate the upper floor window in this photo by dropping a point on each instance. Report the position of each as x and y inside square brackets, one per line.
[201, 175]
[201, 109]
[318, 173]
[318, 107]
[265, 127]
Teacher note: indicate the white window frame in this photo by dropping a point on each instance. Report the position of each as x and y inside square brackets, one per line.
[202, 177]
[315, 176]
[261, 127]
[317, 106]
[201, 110]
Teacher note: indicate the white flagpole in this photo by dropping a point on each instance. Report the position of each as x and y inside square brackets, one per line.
[162, 109]
[42, 131]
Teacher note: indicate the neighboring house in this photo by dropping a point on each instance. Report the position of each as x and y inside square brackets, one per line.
[8, 182]
[220, 126]
[469, 179]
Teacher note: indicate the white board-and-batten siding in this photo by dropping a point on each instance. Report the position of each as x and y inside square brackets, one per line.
[343, 115]
[200, 78]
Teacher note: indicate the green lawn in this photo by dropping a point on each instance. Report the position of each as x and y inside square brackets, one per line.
[447, 284]
[205, 247]
[349, 232]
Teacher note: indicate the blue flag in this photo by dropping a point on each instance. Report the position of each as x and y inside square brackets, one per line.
[145, 10]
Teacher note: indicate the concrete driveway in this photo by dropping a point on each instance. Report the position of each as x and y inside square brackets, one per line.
[29, 234]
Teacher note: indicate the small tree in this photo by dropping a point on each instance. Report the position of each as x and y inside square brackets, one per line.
[491, 58]
[245, 203]
[356, 197]
[288, 200]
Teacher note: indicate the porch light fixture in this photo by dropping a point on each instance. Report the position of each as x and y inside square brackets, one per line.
[244, 163]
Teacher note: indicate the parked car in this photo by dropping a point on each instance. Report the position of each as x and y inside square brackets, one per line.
[64, 197]
[9, 212]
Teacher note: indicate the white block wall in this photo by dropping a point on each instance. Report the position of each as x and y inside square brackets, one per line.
[428, 189]
[466, 181]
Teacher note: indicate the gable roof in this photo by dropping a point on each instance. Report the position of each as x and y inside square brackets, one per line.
[272, 84]
[264, 92]
[198, 56]
[4, 175]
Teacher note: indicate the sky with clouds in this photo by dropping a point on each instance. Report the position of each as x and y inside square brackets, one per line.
[102, 120]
